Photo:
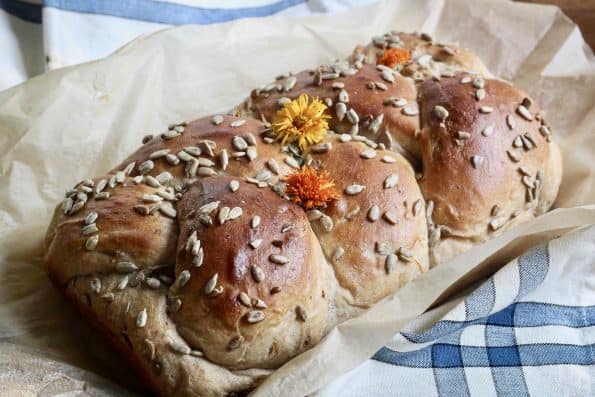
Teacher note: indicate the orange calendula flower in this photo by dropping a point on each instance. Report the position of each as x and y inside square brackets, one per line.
[393, 57]
[302, 120]
[310, 188]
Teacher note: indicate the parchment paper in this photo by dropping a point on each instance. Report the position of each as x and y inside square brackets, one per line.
[78, 122]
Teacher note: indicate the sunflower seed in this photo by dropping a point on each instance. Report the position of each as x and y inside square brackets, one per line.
[463, 135]
[235, 342]
[544, 131]
[239, 143]
[514, 156]
[477, 161]
[524, 113]
[209, 207]
[257, 273]
[374, 213]
[223, 214]
[278, 259]
[245, 299]
[388, 76]
[343, 96]
[480, 94]
[234, 213]
[172, 159]
[152, 198]
[259, 303]
[126, 267]
[237, 123]
[410, 111]
[153, 282]
[329, 76]
[167, 210]
[404, 254]
[301, 313]
[416, 207]
[89, 229]
[170, 134]
[273, 166]
[388, 159]
[390, 263]
[338, 85]
[466, 80]
[390, 217]
[91, 217]
[211, 284]
[141, 318]
[376, 123]
[67, 205]
[198, 258]
[255, 316]
[159, 153]
[327, 223]
[441, 112]
[123, 283]
[145, 167]
[497, 223]
[488, 130]
[380, 85]
[289, 83]
[340, 110]
[485, 109]
[151, 181]
[290, 161]
[96, 285]
[528, 141]
[368, 154]
[391, 181]
[179, 347]
[92, 242]
[352, 116]
[321, 148]
[354, 189]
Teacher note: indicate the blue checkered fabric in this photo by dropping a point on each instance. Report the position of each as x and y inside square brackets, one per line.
[529, 330]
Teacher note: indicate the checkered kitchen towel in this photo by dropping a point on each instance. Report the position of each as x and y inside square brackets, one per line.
[529, 330]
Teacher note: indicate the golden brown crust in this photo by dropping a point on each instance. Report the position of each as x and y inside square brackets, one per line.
[484, 164]
[372, 255]
[207, 301]
[249, 310]
[369, 97]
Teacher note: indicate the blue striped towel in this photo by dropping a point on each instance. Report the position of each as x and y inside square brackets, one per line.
[529, 330]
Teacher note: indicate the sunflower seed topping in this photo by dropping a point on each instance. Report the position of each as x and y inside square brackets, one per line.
[179, 347]
[153, 282]
[92, 242]
[524, 113]
[126, 267]
[234, 213]
[463, 135]
[373, 213]
[209, 207]
[480, 94]
[343, 96]
[497, 223]
[368, 154]
[410, 111]
[391, 181]
[416, 207]
[544, 131]
[514, 156]
[237, 123]
[244, 299]
[158, 154]
[388, 159]
[301, 313]
[390, 263]
[485, 109]
[354, 189]
[477, 161]
[223, 214]
[257, 273]
[211, 284]
[89, 229]
[255, 316]
[391, 217]
[292, 162]
[235, 342]
[404, 254]
[234, 185]
[278, 259]
[466, 80]
[239, 143]
[340, 110]
[488, 130]
[441, 112]
[388, 76]
[352, 116]
[168, 210]
[91, 217]
[141, 319]
[321, 148]
[255, 243]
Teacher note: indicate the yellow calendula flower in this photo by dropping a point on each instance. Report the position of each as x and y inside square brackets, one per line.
[302, 120]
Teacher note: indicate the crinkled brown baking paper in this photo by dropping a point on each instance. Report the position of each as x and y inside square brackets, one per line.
[78, 122]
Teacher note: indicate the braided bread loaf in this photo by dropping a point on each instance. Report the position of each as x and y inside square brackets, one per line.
[214, 254]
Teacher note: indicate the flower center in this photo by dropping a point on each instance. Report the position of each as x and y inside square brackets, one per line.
[300, 121]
